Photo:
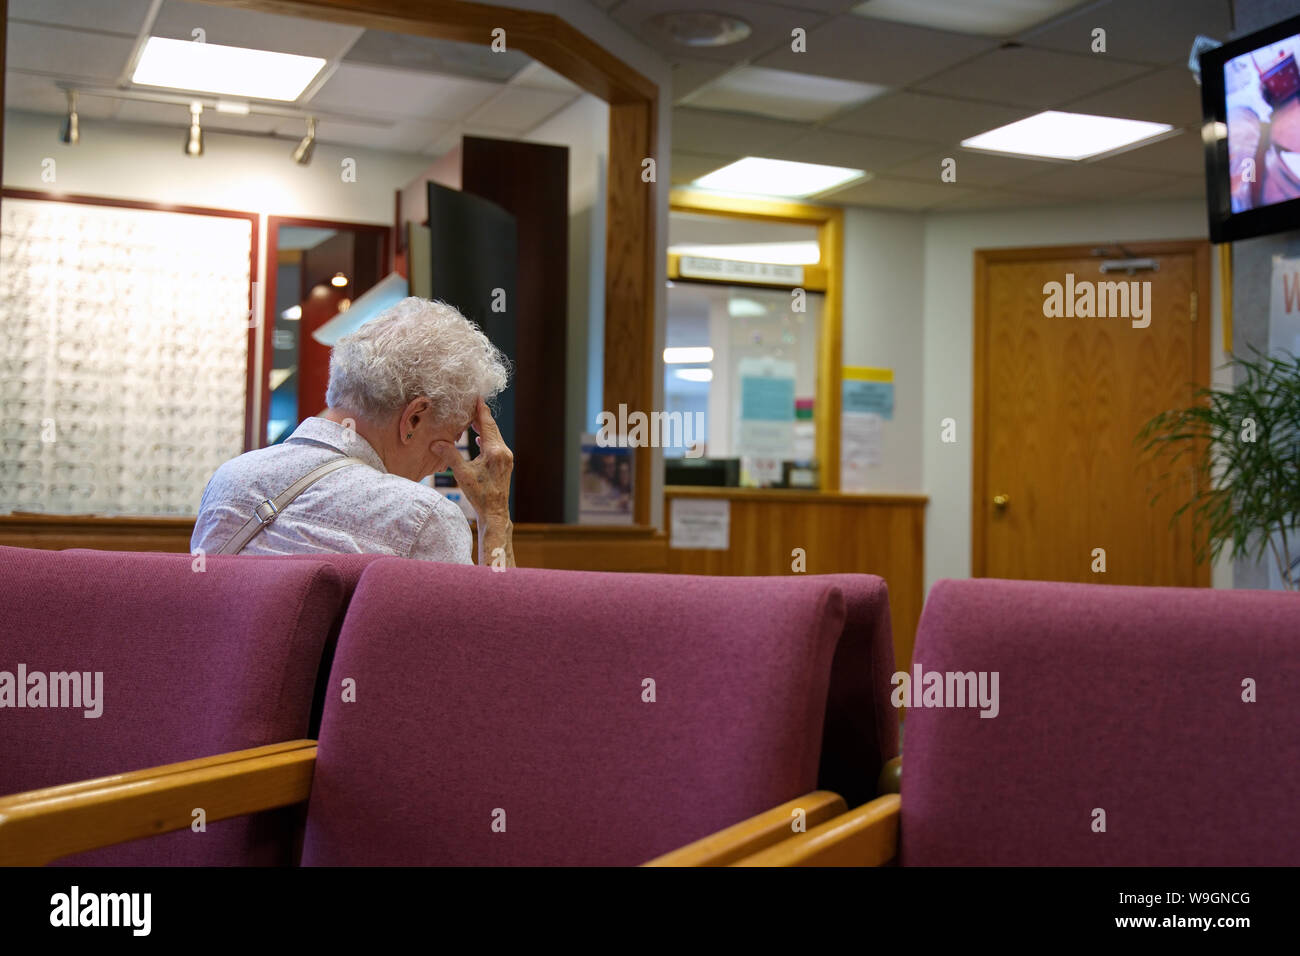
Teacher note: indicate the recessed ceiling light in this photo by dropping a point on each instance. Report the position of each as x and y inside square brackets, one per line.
[774, 253]
[782, 94]
[983, 17]
[226, 70]
[778, 177]
[293, 313]
[1056, 135]
[684, 355]
[695, 374]
[701, 28]
[339, 280]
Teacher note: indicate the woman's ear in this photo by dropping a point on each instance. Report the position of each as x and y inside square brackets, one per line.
[415, 411]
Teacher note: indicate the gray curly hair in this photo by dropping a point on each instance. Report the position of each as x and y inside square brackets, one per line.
[417, 348]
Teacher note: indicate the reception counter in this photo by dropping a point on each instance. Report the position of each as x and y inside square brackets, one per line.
[566, 547]
[880, 534]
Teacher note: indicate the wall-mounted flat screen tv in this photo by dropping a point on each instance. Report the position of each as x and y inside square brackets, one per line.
[1250, 89]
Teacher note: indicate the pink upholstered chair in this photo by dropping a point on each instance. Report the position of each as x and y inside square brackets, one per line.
[1168, 714]
[193, 663]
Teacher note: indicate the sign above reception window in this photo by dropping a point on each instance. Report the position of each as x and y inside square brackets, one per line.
[700, 267]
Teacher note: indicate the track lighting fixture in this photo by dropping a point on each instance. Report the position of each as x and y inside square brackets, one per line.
[71, 131]
[302, 152]
[194, 139]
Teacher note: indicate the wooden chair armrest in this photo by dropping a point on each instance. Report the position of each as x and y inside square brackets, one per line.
[756, 833]
[865, 836]
[39, 826]
[891, 777]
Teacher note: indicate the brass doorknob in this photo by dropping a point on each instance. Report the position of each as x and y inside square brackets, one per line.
[1000, 501]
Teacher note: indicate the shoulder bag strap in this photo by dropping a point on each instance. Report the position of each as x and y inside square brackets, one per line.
[266, 512]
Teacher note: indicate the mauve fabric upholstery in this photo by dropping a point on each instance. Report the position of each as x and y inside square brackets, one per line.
[194, 664]
[861, 730]
[349, 568]
[522, 691]
[1124, 699]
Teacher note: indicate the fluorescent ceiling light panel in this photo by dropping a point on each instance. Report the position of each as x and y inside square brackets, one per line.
[778, 177]
[993, 18]
[774, 253]
[225, 70]
[741, 308]
[682, 355]
[1056, 135]
[695, 374]
[781, 94]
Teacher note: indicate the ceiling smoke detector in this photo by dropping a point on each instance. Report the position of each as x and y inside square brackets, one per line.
[701, 28]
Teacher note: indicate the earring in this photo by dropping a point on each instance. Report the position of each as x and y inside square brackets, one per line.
[409, 434]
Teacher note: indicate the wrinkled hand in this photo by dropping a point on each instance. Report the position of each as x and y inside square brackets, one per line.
[485, 480]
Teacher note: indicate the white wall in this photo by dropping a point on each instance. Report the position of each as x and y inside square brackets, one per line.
[253, 173]
[948, 310]
[884, 291]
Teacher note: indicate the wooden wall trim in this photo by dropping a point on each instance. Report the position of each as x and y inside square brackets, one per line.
[555, 546]
[829, 221]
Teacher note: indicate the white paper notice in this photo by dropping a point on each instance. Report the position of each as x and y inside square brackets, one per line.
[860, 439]
[701, 523]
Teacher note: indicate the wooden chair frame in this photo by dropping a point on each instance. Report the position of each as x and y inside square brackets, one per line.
[40, 826]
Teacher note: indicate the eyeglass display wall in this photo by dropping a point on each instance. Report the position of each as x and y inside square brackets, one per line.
[125, 356]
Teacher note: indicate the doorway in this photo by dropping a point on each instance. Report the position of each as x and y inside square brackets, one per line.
[1075, 349]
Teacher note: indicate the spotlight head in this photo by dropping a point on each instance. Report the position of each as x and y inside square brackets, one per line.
[194, 137]
[302, 152]
[70, 132]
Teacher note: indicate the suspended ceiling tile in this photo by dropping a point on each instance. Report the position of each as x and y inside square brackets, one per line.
[706, 131]
[1020, 76]
[1181, 155]
[355, 88]
[231, 26]
[120, 16]
[519, 108]
[971, 168]
[770, 25]
[689, 75]
[844, 149]
[1166, 96]
[74, 54]
[782, 95]
[1183, 187]
[997, 18]
[688, 167]
[993, 199]
[1146, 31]
[920, 116]
[896, 194]
[433, 55]
[535, 76]
[38, 94]
[876, 51]
[1092, 181]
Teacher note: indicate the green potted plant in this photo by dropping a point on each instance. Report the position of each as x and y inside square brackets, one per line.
[1243, 445]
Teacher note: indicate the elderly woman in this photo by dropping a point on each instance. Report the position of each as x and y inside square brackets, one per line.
[402, 389]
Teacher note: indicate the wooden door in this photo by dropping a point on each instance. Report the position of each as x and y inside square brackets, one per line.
[1059, 400]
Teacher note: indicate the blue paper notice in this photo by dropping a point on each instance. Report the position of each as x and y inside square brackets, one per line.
[875, 397]
[766, 399]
